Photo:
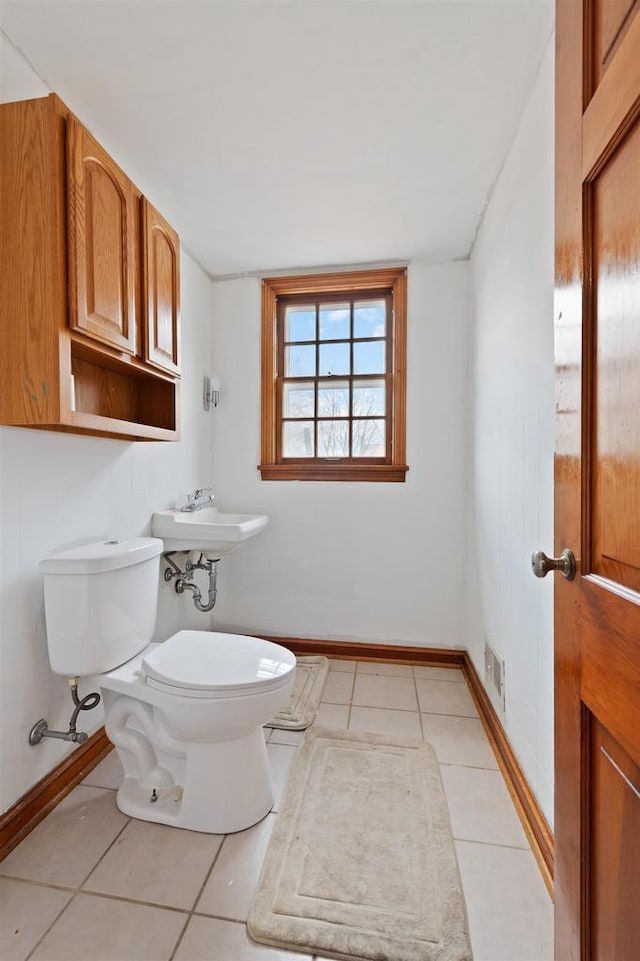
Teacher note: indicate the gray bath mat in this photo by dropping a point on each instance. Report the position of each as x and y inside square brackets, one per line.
[361, 862]
[299, 713]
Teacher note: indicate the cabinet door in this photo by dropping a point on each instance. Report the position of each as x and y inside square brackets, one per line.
[161, 258]
[102, 232]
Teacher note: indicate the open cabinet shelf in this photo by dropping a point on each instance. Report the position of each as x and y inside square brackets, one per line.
[89, 287]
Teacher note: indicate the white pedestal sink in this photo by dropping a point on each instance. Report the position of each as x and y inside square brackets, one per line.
[208, 530]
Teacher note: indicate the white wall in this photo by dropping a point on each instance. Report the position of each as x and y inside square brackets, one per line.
[369, 562]
[365, 562]
[512, 435]
[57, 489]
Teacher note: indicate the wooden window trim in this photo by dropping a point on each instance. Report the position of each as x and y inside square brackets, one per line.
[390, 279]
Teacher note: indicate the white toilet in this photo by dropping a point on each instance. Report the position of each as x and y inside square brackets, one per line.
[186, 715]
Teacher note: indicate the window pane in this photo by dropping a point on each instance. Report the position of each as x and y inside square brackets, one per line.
[333, 438]
[368, 357]
[370, 319]
[297, 438]
[368, 438]
[334, 322]
[333, 399]
[334, 359]
[298, 400]
[299, 361]
[300, 323]
[369, 398]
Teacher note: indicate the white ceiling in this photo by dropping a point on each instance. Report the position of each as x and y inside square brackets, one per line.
[292, 134]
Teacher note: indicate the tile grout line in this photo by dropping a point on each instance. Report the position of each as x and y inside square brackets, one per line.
[415, 684]
[353, 691]
[469, 767]
[77, 891]
[494, 844]
[153, 904]
[157, 904]
[197, 898]
[105, 852]
[217, 917]
[125, 900]
[94, 894]
[38, 884]
[243, 924]
[425, 677]
[467, 717]
[117, 897]
[401, 710]
[54, 922]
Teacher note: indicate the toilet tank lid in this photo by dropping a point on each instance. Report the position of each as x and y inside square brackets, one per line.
[102, 556]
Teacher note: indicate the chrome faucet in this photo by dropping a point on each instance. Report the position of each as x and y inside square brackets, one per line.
[197, 500]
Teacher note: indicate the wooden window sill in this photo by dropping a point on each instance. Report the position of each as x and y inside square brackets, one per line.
[387, 473]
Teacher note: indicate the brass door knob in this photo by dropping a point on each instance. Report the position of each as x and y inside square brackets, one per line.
[566, 564]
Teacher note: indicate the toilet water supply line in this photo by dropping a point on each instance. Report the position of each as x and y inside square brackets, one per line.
[184, 579]
[41, 730]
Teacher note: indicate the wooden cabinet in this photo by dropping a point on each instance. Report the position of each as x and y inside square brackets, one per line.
[89, 285]
[161, 274]
[102, 235]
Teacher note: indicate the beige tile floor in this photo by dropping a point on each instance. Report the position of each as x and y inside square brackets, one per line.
[92, 883]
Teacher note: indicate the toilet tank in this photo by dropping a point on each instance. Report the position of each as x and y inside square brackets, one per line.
[100, 603]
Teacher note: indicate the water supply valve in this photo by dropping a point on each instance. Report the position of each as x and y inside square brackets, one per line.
[41, 730]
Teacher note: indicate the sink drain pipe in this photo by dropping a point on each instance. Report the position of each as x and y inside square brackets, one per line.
[184, 580]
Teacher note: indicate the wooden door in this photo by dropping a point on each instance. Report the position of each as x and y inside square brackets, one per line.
[161, 257]
[102, 239]
[597, 617]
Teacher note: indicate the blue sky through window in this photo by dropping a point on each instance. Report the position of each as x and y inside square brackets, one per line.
[300, 323]
[369, 319]
[335, 322]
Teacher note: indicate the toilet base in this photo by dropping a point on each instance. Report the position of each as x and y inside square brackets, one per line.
[216, 788]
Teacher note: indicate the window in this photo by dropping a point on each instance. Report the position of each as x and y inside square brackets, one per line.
[333, 376]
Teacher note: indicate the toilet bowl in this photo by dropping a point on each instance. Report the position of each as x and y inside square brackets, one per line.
[185, 715]
[186, 718]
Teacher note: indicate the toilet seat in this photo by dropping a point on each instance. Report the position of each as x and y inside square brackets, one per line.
[212, 665]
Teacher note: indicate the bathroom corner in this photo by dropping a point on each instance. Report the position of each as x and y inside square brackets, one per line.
[59, 489]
